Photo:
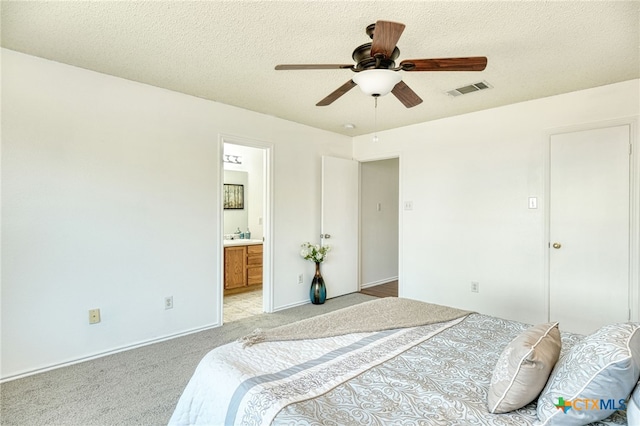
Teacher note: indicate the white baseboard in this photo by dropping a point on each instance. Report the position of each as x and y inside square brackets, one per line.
[105, 353]
[375, 283]
[291, 305]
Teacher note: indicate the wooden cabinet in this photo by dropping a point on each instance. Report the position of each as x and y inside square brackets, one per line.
[254, 264]
[242, 267]
[235, 267]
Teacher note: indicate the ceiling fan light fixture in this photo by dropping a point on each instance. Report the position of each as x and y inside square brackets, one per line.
[377, 82]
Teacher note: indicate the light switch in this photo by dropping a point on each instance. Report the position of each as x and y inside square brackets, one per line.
[533, 203]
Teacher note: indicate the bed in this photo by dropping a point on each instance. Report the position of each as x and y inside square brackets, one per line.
[377, 363]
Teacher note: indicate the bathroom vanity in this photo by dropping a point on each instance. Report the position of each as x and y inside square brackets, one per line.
[242, 265]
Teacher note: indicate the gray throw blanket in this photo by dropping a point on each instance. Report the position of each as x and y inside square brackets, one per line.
[375, 315]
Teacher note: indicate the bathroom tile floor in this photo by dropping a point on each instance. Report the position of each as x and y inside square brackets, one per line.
[242, 305]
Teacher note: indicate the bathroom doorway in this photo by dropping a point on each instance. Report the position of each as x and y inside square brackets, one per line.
[245, 286]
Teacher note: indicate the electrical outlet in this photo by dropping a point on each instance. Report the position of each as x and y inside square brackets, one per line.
[475, 287]
[168, 302]
[300, 278]
[94, 316]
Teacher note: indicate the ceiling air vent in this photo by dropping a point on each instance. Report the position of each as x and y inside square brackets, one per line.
[469, 89]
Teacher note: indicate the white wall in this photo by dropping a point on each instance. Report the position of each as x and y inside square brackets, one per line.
[108, 201]
[379, 226]
[469, 178]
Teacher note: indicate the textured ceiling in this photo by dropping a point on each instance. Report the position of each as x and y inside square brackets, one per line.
[226, 50]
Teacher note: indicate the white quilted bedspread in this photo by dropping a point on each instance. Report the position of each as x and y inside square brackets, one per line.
[436, 374]
[249, 386]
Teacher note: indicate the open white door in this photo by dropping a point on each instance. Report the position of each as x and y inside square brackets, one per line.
[339, 227]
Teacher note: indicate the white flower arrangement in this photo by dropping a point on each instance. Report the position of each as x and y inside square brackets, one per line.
[314, 252]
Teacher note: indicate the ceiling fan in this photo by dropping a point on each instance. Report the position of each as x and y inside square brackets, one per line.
[376, 71]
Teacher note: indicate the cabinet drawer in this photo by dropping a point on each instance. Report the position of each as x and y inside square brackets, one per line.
[254, 249]
[254, 275]
[254, 255]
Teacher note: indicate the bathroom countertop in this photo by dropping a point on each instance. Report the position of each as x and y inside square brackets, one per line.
[241, 242]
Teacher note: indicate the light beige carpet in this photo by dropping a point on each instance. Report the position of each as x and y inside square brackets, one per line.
[136, 387]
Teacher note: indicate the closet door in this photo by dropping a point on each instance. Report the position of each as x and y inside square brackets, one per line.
[589, 228]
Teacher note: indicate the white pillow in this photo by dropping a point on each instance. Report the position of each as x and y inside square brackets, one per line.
[594, 378]
[523, 368]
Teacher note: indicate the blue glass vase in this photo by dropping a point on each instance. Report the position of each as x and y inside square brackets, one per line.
[318, 291]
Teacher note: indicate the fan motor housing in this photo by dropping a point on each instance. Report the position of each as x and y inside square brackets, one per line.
[362, 56]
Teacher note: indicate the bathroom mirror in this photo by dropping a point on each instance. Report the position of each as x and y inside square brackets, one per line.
[235, 201]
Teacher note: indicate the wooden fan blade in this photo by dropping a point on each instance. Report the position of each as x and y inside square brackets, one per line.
[476, 63]
[313, 66]
[385, 38]
[337, 93]
[405, 95]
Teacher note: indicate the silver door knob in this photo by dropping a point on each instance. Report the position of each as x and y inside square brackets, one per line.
[556, 245]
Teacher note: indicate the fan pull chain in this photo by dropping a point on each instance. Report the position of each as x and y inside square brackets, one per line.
[375, 120]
